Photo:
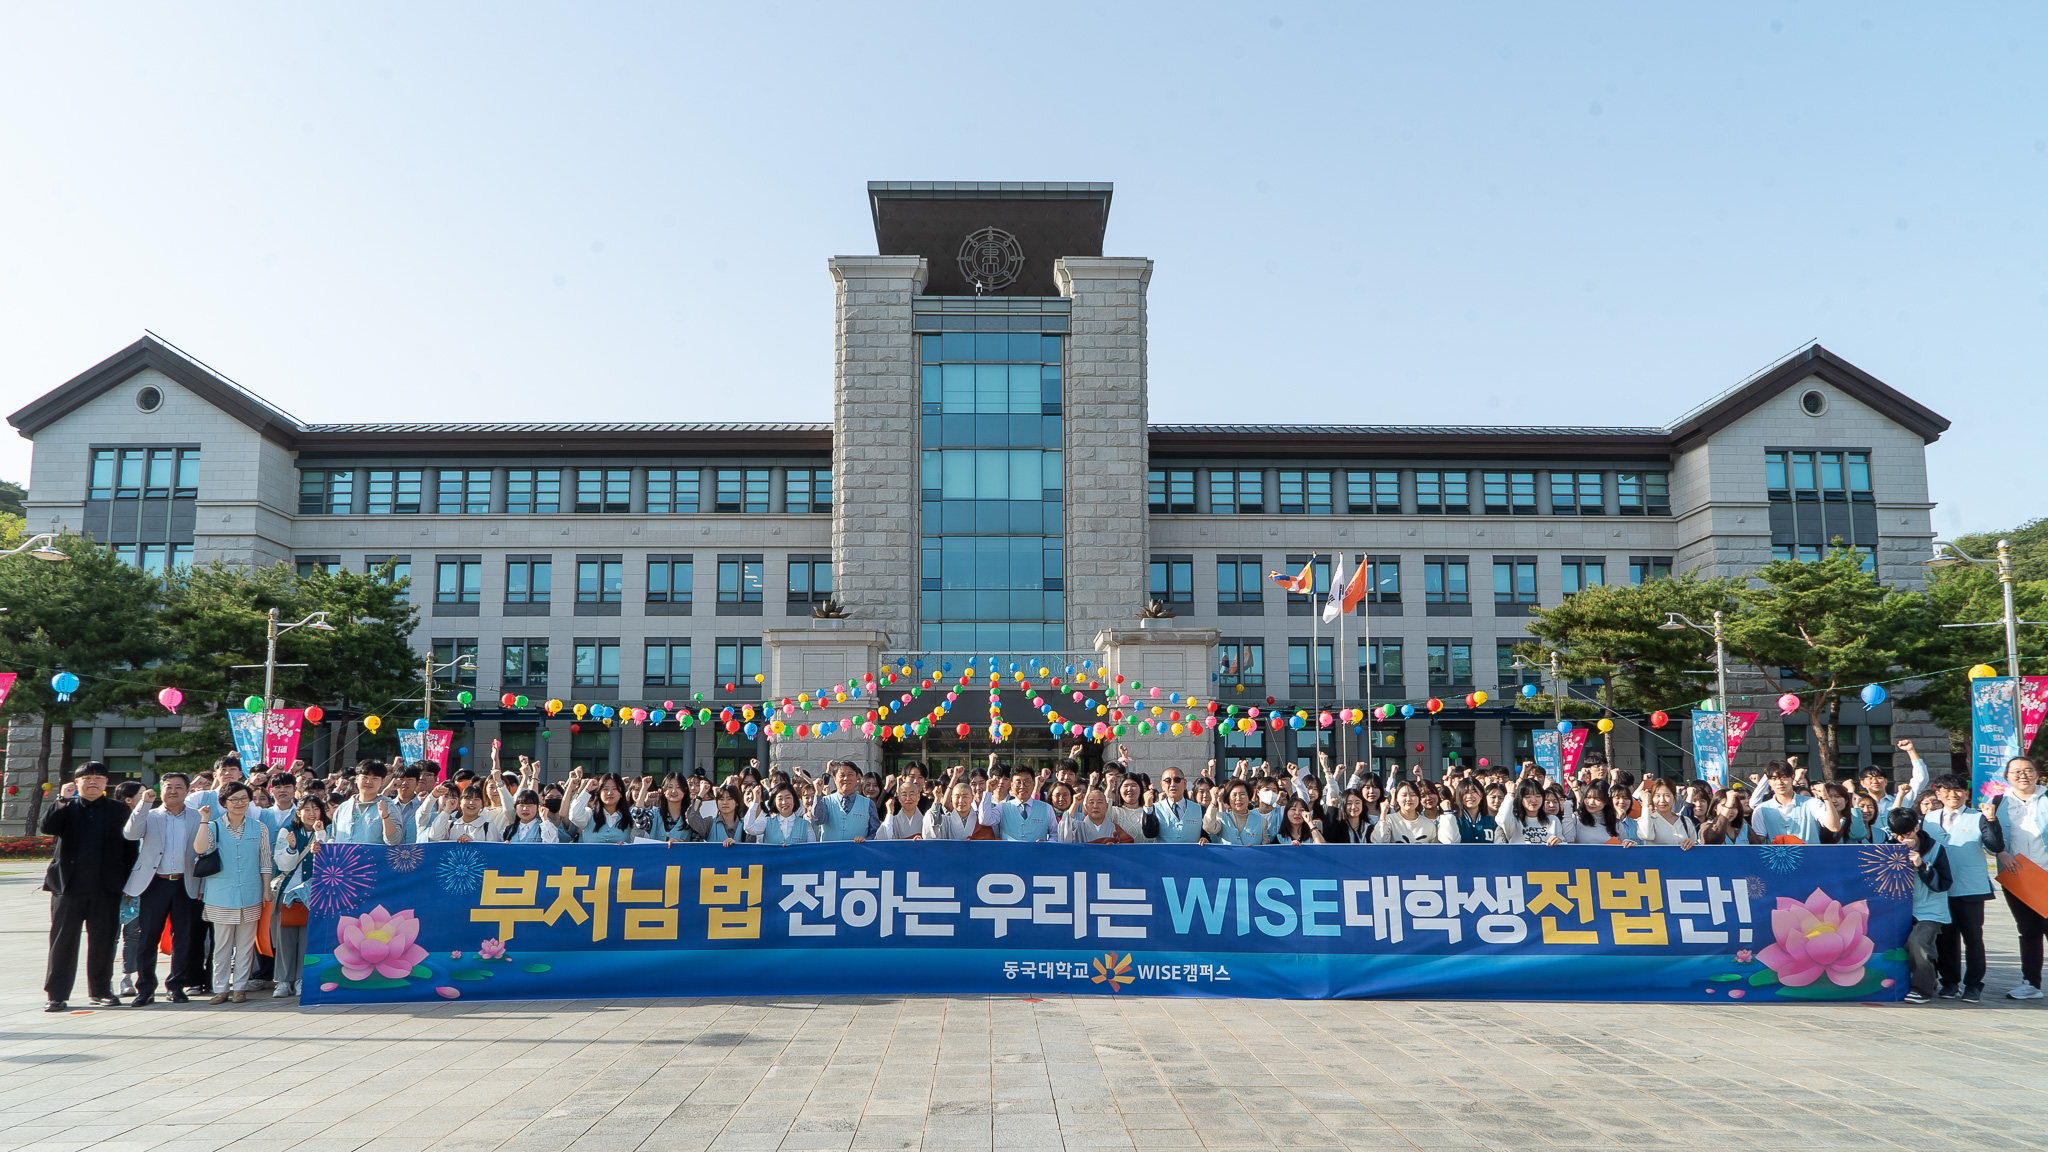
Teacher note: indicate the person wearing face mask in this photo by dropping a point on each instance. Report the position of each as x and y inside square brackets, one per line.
[1231, 818]
[1406, 824]
[1092, 822]
[1969, 838]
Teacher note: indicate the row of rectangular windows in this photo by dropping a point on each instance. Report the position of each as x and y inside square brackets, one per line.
[143, 473]
[665, 663]
[601, 579]
[1242, 580]
[1447, 661]
[540, 491]
[1374, 492]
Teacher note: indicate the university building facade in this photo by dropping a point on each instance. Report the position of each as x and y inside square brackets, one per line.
[990, 485]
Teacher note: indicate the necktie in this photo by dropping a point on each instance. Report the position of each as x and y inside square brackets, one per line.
[846, 804]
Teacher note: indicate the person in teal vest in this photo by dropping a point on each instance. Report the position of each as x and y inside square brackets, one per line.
[845, 814]
[234, 895]
[1175, 819]
[784, 823]
[1931, 881]
[1021, 817]
[1969, 839]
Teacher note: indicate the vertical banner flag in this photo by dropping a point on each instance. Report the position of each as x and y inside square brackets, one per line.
[1549, 755]
[412, 746]
[1994, 738]
[1739, 724]
[6, 684]
[1574, 743]
[437, 744]
[281, 736]
[1710, 745]
[247, 729]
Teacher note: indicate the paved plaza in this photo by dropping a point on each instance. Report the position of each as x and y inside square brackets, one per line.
[966, 1073]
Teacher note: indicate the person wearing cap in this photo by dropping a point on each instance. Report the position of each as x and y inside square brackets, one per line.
[88, 867]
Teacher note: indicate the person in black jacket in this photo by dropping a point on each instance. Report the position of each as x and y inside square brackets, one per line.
[87, 869]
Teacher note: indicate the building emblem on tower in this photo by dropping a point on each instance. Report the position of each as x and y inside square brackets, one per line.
[990, 260]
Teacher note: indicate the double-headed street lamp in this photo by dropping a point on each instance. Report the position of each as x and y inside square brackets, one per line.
[1673, 621]
[2010, 619]
[317, 621]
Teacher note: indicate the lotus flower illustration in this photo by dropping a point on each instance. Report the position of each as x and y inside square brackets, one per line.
[380, 942]
[1817, 936]
[492, 949]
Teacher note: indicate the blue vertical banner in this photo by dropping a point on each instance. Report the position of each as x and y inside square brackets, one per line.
[1994, 733]
[412, 746]
[1710, 746]
[1549, 752]
[247, 729]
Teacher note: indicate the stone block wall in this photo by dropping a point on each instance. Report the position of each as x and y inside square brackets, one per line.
[875, 452]
[1105, 443]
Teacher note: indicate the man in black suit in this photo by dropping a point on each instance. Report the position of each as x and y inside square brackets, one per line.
[88, 868]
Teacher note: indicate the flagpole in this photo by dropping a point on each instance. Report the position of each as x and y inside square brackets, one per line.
[1315, 650]
[1337, 664]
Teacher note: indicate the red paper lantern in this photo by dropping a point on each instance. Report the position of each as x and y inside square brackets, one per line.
[1418, 747]
[506, 700]
[314, 714]
[1659, 719]
[963, 730]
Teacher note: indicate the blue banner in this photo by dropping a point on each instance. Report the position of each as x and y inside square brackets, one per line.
[425, 922]
[1994, 733]
[1549, 748]
[1710, 747]
[247, 730]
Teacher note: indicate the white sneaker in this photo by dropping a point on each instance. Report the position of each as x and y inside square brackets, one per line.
[281, 991]
[2024, 992]
[127, 985]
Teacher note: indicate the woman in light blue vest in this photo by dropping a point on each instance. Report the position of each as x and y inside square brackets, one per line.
[1970, 840]
[1931, 881]
[234, 895]
[1232, 820]
[721, 824]
[668, 817]
[784, 825]
[610, 819]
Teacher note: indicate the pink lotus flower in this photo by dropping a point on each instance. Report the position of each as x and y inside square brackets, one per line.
[1818, 936]
[492, 949]
[385, 943]
[1744, 956]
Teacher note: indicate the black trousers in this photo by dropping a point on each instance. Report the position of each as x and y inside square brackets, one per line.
[1963, 935]
[99, 915]
[165, 902]
[2033, 933]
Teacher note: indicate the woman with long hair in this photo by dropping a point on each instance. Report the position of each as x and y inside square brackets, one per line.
[722, 824]
[1526, 817]
[610, 819]
[1729, 823]
[1595, 822]
[1297, 826]
[1468, 821]
[1662, 822]
[1353, 823]
[666, 816]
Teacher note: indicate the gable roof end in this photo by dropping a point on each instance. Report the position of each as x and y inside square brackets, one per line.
[149, 352]
[1812, 360]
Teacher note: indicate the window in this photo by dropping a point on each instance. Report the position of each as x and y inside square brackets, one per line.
[459, 581]
[1236, 492]
[325, 565]
[1581, 572]
[1641, 568]
[670, 579]
[1305, 493]
[739, 585]
[1576, 494]
[604, 490]
[1510, 493]
[1297, 665]
[810, 582]
[1171, 491]
[1508, 675]
[163, 466]
[807, 490]
[1240, 586]
[153, 557]
[526, 664]
[739, 661]
[1370, 492]
[1443, 580]
[181, 556]
[325, 491]
[1443, 493]
[742, 490]
[1859, 475]
[401, 567]
[672, 490]
[188, 474]
[1450, 663]
[464, 493]
[1241, 662]
[460, 656]
[1514, 579]
[1646, 493]
[597, 664]
[667, 663]
[1309, 603]
[128, 482]
[1819, 497]
[394, 493]
[1796, 743]
[1383, 580]
[529, 579]
[535, 491]
[101, 484]
[1173, 579]
[600, 579]
[1379, 663]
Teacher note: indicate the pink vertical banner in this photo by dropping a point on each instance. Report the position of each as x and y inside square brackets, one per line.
[2033, 706]
[281, 736]
[1573, 744]
[1739, 724]
[6, 684]
[438, 742]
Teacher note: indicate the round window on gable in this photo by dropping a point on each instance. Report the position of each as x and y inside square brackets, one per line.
[149, 398]
[1813, 402]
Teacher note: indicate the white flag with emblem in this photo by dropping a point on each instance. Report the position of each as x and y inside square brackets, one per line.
[1333, 601]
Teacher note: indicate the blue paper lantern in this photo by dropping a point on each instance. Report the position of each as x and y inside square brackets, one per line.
[1564, 725]
[420, 725]
[462, 751]
[64, 684]
[1873, 695]
[1529, 690]
[1407, 711]
[753, 729]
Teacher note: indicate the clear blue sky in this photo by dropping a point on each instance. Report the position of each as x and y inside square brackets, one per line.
[1401, 214]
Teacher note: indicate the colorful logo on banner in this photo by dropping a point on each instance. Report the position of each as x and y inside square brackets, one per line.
[1574, 743]
[1992, 742]
[1711, 746]
[1549, 754]
[281, 736]
[432, 746]
[1739, 724]
[246, 728]
[6, 684]
[532, 922]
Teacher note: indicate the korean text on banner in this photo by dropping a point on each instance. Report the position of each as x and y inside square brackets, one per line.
[1710, 746]
[246, 728]
[281, 727]
[1549, 754]
[1573, 744]
[1739, 724]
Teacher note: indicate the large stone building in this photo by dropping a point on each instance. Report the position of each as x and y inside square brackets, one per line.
[991, 484]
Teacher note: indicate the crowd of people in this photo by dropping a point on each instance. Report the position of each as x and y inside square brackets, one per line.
[128, 865]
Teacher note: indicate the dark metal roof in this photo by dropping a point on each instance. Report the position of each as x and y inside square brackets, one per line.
[573, 429]
[1392, 430]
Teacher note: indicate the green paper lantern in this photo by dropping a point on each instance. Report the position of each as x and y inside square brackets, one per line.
[253, 704]
[544, 733]
[465, 698]
[520, 702]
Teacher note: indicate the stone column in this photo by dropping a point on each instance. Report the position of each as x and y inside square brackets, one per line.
[1106, 446]
[1156, 654]
[820, 657]
[875, 447]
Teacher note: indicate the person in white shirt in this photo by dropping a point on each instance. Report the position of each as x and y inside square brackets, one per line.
[2023, 817]
[1522, 817]
[1406, 824]
[1787, 813]
[466, 820]
[1661, 823]
[785, 825]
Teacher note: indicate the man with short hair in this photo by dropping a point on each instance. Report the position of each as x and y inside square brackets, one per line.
[367, 817]
[1970, 839]
[410, 782]
[1174, 818]
[165, 887]
[1786, 813]
[845, 815]
[1021, 817]
[88, 865]
[226, 771]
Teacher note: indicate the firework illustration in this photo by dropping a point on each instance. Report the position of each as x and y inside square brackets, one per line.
[404, 857]
[1782, 857]
[462, 870]
[1757, 888]
[1887, 869]
[1112, 969]
[341, 875]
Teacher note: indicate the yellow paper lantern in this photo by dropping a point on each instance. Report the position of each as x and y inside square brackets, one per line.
[1480, 698]
[373, 723]
[1982, 670]
[1605, 724]
[581, 710]
[1176, 729]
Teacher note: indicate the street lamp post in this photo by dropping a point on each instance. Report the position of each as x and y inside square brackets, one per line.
[464, 663]
[317, 621]
[45, 552]
[2010, 619]
[1676, 620]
